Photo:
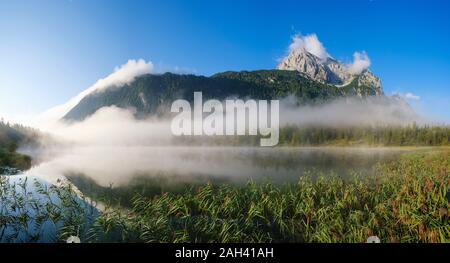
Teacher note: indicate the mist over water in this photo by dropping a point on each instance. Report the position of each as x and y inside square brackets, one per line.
[112, 146]
[351, 111]
[108, 165]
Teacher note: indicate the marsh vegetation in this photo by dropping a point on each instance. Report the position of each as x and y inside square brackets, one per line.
[406, 199]
[217, 193]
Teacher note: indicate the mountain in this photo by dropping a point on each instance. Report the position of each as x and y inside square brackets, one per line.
[152, 94]
[328, 70]
[302, 74]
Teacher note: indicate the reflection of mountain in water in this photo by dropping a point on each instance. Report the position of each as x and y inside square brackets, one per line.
[163, 167]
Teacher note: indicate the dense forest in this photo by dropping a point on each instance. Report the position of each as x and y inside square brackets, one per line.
[381, 135]
[412, 135]
[153, 94]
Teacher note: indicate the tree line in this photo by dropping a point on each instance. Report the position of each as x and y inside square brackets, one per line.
[411, 135]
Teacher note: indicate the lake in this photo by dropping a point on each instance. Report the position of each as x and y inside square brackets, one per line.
[170, 167]
[117, 173]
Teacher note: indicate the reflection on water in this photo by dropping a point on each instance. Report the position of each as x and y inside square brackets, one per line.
[119, 166]
[31, 210]
[156, 170]
[5, 170]
[152, 170]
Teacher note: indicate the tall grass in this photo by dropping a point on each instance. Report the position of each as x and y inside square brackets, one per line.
[407, 200]
[32, 211]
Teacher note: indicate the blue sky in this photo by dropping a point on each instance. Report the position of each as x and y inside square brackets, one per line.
[52, 50]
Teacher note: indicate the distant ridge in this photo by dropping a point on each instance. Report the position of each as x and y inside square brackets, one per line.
[151, 94]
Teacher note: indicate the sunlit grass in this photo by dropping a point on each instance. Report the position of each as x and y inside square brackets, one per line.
[407, 200]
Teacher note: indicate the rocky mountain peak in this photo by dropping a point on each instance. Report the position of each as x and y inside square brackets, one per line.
[327, 70]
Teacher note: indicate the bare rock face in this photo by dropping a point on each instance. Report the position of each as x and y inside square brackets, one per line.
[329, 70]
[305, 63]
[368, 79]
[338, 73]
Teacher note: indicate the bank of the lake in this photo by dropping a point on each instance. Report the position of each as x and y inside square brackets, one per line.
[12, 162]
[406, 200]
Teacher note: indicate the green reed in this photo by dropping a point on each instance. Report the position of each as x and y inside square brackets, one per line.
[407, 200]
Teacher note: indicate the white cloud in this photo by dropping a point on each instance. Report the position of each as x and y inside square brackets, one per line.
[122, 75]
[406, 96]
[350, 111]
[360, 63]
[311, 44]
[411, 96]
